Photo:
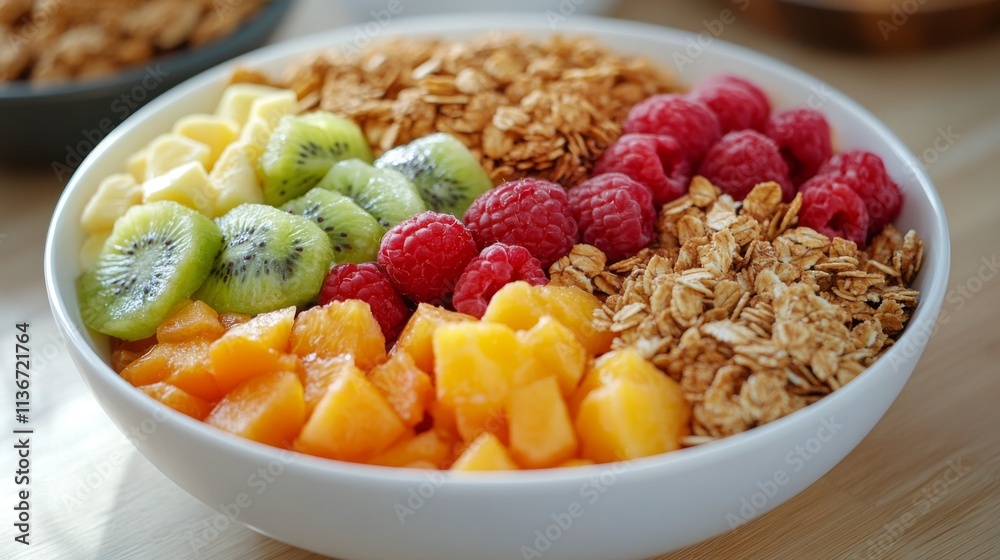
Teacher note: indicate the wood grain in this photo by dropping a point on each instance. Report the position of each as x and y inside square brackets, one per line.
[923, 484]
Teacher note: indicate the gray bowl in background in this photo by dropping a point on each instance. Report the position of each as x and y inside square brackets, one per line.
[58, 124]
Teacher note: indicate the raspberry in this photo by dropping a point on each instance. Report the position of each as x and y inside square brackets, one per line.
[654, 160]
[615, 214]
[803, 135]
[495, 267]
[737, 103]
[741, 160]
[865, 173]
[690, 122]
[532, 213]
[830, 207]
[425, 254]
[370, 284]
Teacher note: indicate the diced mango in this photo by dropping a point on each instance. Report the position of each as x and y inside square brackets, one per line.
[428, 446]
[352, 422]
[541, 433]
[212, 130]
[633, 410]
[472, 418]
[179, 400]
[486, 453]
[407, 388]
[421, 464]
[576, 463]
[252, 348]
[170, 150]
[190, 319]
[340, 327]
[186, 184]
[231, 319]
[191, 369]
[151, 367]
[553, 349]
[115, 195]
[520, 306]
[319, 373]
[415, 339]
[235, 177]
[268, 408]
[124, 352]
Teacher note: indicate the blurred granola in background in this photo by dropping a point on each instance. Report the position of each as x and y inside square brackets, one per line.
[47, 40]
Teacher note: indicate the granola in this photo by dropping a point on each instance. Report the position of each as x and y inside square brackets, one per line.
[543, 108]
[753, 316]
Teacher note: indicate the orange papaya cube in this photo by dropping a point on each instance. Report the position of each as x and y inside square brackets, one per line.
[416, 337]
[473, 418]
[269, 408]
[634, 410]
[443, 419]
[179, 400]
[352, 422]
[575, 463]
[151, 367]
[407, 388]
[230, 319]
[191, 369]
[520, 306]
[553, 349]
[252, 348]
[421, 464]
[429, 446]
[124, 352]
[541, 432]
[190, 319]
[319, 373]
[340, 327]
[486, 453]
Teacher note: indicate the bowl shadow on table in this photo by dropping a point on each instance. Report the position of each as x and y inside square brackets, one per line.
[175, 524]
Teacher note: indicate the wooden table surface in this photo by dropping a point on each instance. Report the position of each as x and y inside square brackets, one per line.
[923, 484]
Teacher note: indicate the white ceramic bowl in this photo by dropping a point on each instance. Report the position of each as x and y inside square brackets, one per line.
[632, 510]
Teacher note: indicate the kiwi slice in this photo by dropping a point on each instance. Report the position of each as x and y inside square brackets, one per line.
[383, 193]
[354, 233]
[269, 260]
[302, 149]
[157, 255]
[446, 174]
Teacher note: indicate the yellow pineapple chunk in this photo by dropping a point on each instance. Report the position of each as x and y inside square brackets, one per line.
[632, 410]
[271, 107]
[212, 130]
[251, 349]
[486, 453]
[115, 195]
[340, 327]
[187, 184]
[553, 349]
[318, 374]
[91, 248]
[541, 433]
[237, 100]
[235, 177]
[520, 306]
[136, 164]
[352, 422]
[407, 388]
[168, 151]
[415, 339]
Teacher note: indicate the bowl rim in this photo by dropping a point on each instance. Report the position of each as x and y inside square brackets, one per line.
[187, 58]
[682, 459]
